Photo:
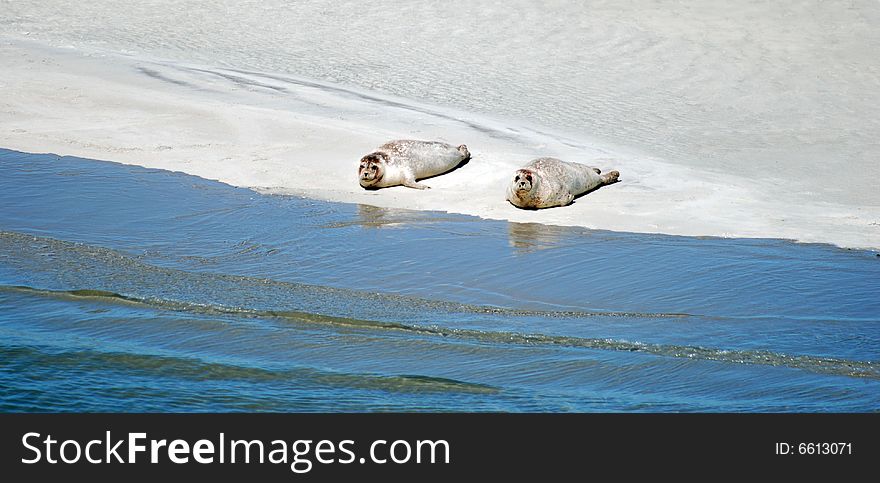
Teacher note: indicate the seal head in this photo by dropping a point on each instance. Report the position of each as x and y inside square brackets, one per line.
[524, 180]
[372, 169]
[523, 188]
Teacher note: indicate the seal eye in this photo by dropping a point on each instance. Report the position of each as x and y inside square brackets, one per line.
[517, 178]
[529, 177]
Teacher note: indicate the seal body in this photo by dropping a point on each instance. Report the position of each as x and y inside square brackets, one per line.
[548, 182]
[402, 162]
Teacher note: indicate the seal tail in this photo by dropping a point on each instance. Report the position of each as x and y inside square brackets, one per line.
[464, 151]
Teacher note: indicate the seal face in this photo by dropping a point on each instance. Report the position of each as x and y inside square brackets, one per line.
[548, 182]
[402, 162]
[372, 169]
[523, 180]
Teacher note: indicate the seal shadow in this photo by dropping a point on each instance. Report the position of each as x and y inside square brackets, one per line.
[529, 208]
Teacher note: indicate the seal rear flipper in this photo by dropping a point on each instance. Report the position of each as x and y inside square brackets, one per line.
[611, 177]
[464, 151]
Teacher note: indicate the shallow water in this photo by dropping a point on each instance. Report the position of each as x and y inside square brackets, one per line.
[124, 288]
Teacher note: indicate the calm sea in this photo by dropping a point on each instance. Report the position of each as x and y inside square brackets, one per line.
[131, 289]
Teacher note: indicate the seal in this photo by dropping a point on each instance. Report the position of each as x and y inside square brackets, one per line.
[548, 182]
[404, 161]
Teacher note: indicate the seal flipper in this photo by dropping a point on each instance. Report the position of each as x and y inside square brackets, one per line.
[411, 183]
[611, 177]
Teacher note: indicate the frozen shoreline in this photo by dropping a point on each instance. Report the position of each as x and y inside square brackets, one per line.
[279, 133]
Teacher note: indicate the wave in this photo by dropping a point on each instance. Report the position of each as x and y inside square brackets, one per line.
[31, 251]
[816, 364]
[196, 369]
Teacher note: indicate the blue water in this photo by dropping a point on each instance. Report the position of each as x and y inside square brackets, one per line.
[131, 289]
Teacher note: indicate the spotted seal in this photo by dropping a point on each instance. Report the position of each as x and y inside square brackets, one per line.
[548, 182]
[402, 162]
